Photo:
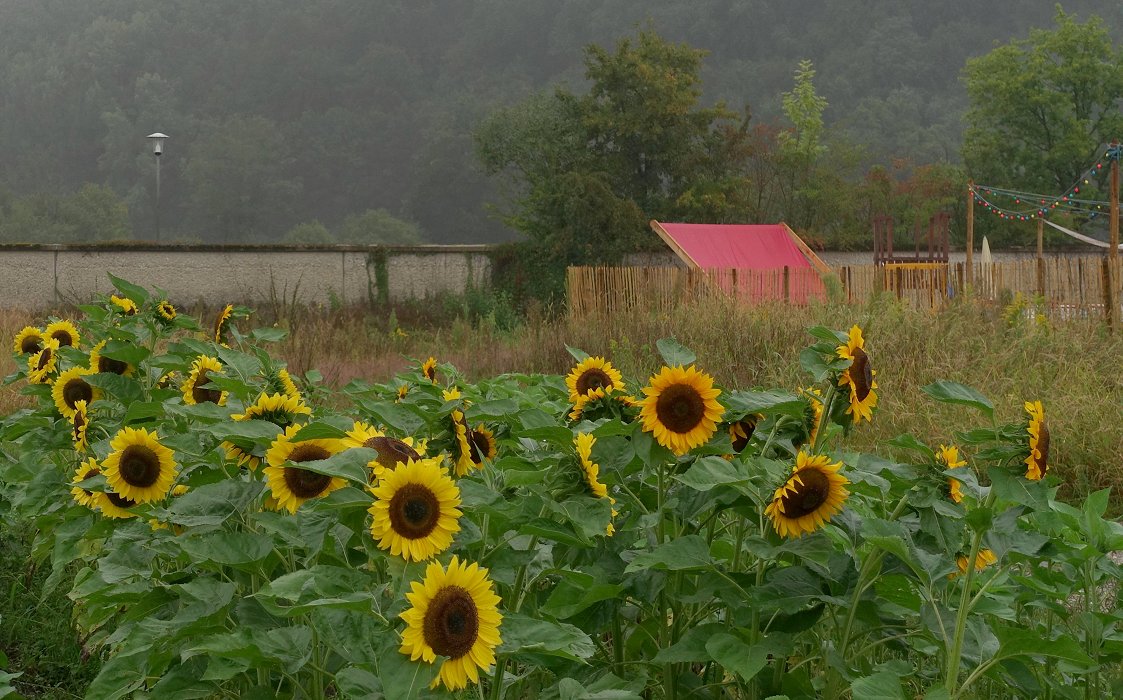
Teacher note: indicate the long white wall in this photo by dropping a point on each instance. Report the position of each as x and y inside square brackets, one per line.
[35, 277]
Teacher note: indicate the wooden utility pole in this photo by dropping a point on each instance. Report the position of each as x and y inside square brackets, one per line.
[1113, 251]
[1111, 278]
[970, 230]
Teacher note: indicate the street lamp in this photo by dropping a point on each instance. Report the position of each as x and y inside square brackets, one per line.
[157, 149]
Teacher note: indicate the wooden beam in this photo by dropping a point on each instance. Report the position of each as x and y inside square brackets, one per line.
[682, 254]
[818, 264]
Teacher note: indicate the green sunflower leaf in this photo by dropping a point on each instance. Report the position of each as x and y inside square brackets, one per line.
[737, 656]
[709, 472]
[252, 430]
[879, 686]
[742, 403]
[689, 553]
[319, 586]
[524, 635]
[350, 464]
[829, 335]
[269, 335]
[953, 392]
[125, 351]
[675, 353]
[212, 504]
[236, 549]
[577, 353]
[329, 428]
[134, 292]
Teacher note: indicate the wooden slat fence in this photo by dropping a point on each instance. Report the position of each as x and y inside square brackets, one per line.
[1071, 287]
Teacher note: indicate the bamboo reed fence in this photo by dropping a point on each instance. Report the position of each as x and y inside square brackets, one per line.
[1065, 287]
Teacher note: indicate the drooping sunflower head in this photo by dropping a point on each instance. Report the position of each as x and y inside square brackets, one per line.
[948, 457]
[858, 377]
[680, 408]
[464, 448]
[139, 467]
[1037, 461]
[416, 510]
[483, 444]
[86, 470]
[222, 324]
[403, 391]
[194, 388]
[812, 416]
[290, 484]
[279, 409]
[584, 444]
[590, 374]
[165, 311]
[391, 452]
[741, 431]
[42, 364]
[450, 394]
[28, 341]
[124, 305]
[599, 403]
[279, 381]
[809, 498]
[101, 363]
[983, 559]
[429, 369]
[240, 456]
[114, 505]
[64, 332]
[359, 433]
[454, 613]
[79, 422]
[70, 387]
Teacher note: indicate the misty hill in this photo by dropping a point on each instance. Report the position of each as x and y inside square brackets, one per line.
[283, 113]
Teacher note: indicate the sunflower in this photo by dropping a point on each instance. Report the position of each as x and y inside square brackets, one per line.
[403, 391]
[680, 408]
[193, 388]
[464, 461]
[41, 364]
[291, 485]
[740, 432]
[813, 416]
[222, 324]
[584, 443]
[101, 363]
[415, 511]
[593, 373]
[983, 559]
[483, 444]
[86, 470]
[450, 394]
[124, 305]
[71, 387]
[1037, 461]
[283, 411]
[812, 494]
[165, 311]
[859, 376]
[139, 468]
[64, 332]
[454, 614]
[429, 369]
[279, 381]
[113, 505]
[28, 341]
[79, 422]
[595, 398]
[391, 451]
[948, 457]
[611, 529]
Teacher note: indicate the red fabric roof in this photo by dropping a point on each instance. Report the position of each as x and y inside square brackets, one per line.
[742, 246]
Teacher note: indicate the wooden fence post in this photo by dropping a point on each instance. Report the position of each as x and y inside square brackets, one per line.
[1108, 293]
[787, 284]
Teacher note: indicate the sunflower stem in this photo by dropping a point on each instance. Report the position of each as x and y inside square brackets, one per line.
[497, 681]
[832, 390]
[956, 651]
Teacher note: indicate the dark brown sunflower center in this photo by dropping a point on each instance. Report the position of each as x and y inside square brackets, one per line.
[119, 500]
[414, 511]
[1043, 448]
[481, 445]
[809, 495]
[44, 359]
[391, 451]
[63, 337]
[861, 374]
[108, 364]
[30, 344]
[452, 622]
[201, 395]
[79, 424]
[77, 390]
[593, 378]
[139, 466]
[303, 483]
[89, 475]
[680, 407]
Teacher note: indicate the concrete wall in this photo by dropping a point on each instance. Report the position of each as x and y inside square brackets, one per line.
[33, 277]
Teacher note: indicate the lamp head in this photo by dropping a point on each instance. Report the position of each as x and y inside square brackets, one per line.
[158, 143]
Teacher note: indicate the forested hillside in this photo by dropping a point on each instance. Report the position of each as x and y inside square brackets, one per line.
[349, 112]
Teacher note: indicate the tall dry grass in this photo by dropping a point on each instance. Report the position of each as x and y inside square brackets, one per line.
[1069, 366]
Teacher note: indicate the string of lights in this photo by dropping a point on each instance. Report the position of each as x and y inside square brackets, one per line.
[1032, 205]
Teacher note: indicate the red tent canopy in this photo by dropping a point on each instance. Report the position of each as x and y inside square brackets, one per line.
[750, 247]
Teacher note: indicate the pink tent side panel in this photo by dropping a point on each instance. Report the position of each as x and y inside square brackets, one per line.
[764, 247]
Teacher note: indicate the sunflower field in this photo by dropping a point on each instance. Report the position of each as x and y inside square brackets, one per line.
[226, 530]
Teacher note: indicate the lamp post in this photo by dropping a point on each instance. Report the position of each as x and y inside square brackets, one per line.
[157, 149]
